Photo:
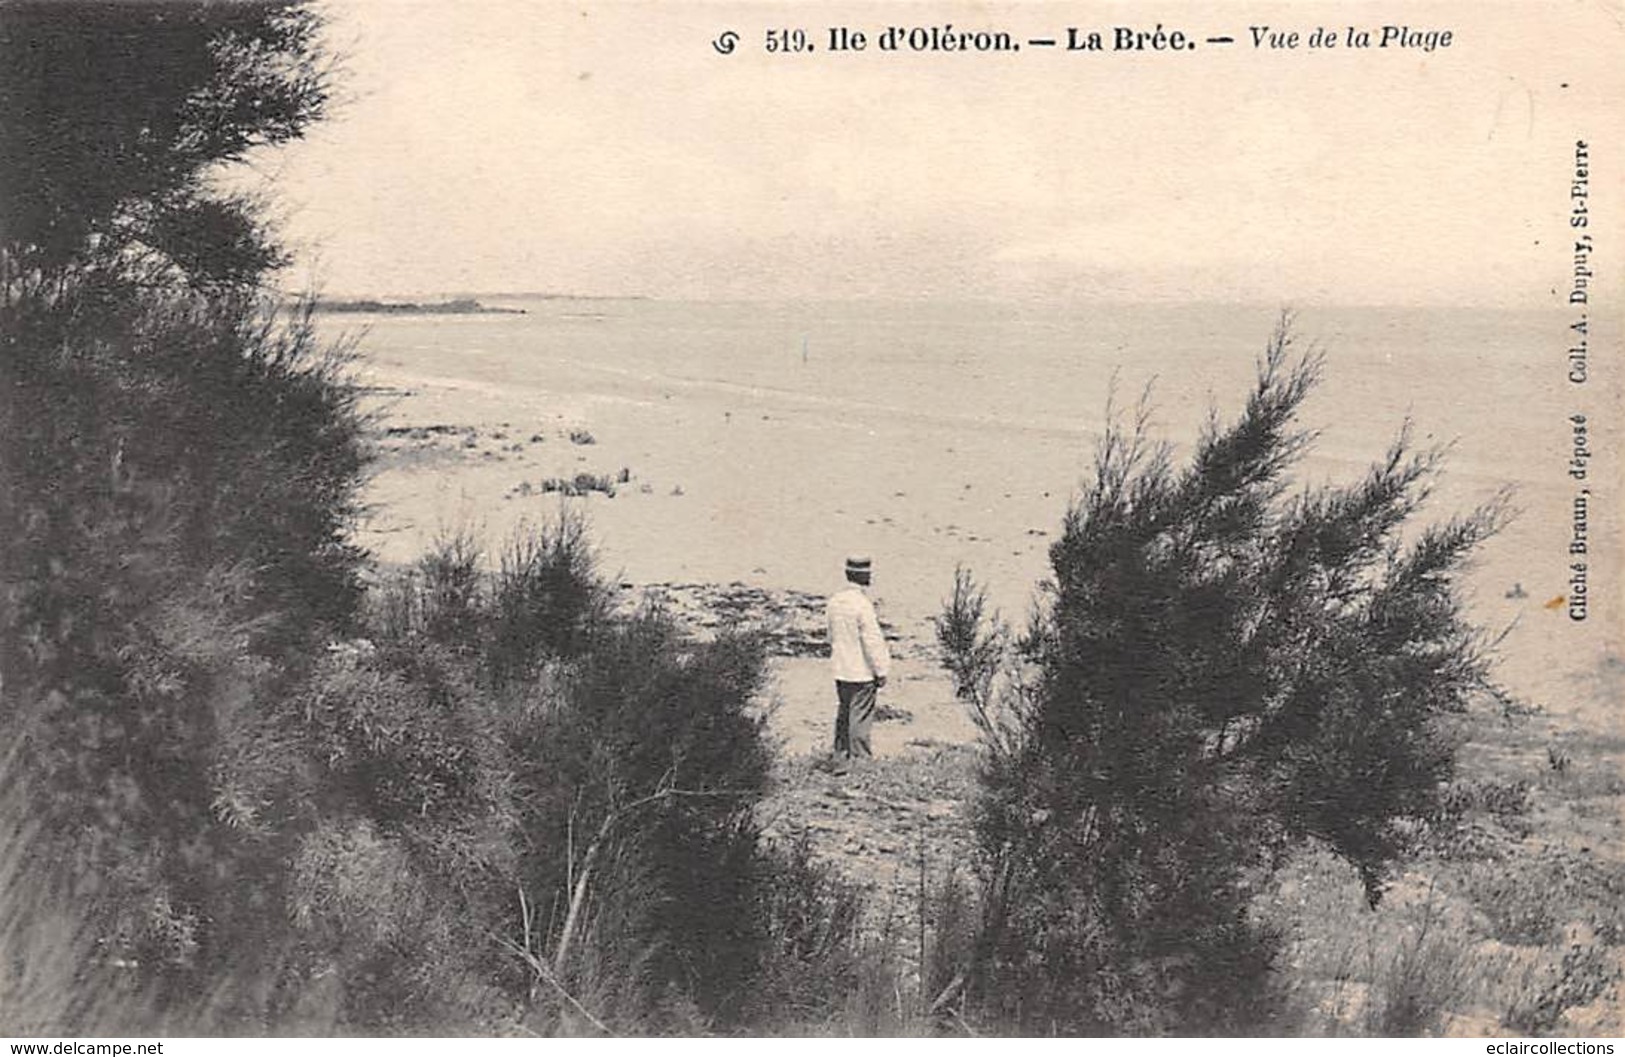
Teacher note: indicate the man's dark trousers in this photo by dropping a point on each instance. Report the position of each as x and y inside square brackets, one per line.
[852, 718]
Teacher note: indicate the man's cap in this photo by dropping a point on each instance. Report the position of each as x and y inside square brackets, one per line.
[858, 563]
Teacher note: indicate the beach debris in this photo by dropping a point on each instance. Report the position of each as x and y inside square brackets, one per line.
[425, 432]
[791, 622]
[413, 444]
[583, 484]
[885, 713]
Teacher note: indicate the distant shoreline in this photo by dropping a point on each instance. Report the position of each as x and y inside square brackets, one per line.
[456, 307]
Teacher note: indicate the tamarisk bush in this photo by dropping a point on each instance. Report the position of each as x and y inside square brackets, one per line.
[179, 464]
[1217, 672]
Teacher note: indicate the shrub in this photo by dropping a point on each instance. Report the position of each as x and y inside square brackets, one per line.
[547, 599]
[1216, 673]
[559, 798]
[1418, 980]
[1586, 973]
[180, 465]
[952, 922]
[973, 643]
[1531, 906]
[56, 974]
[637, 771]
[812, 917]
[168, 568]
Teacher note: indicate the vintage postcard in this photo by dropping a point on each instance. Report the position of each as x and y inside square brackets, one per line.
[870, 518]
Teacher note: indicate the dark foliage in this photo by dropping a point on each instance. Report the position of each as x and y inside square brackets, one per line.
[179, 468]
[1216, 673]
[972, 640]
[548, 601]
[560, 795]
[112, 115]
[811, 916]
[657, 762]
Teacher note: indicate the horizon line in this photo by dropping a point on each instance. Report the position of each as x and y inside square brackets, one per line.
[1285, 304]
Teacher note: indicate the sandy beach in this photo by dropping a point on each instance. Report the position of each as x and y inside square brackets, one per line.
[756, 445]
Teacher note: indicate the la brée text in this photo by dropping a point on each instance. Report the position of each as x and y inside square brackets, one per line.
[1154, 38]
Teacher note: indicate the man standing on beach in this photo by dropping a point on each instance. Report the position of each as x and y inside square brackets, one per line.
[858, 654]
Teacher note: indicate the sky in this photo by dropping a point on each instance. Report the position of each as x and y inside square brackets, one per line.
[609, 149]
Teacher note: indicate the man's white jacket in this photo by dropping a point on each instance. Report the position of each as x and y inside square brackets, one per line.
[857, 649]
